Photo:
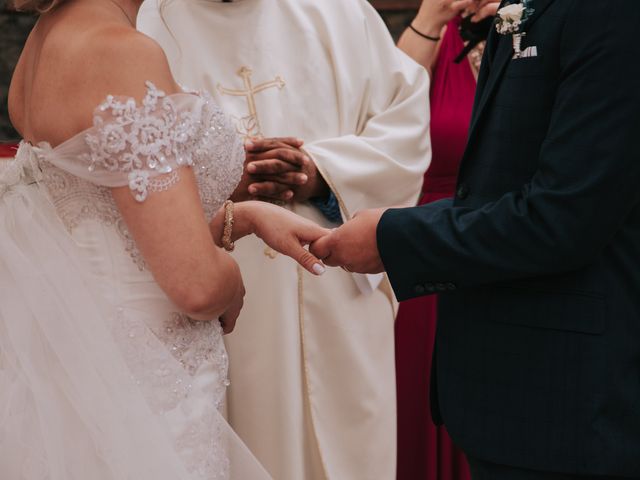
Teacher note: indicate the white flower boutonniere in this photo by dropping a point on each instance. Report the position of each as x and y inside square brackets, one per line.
[509, 21]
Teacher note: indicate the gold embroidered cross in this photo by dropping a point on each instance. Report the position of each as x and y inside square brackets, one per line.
[251, 124]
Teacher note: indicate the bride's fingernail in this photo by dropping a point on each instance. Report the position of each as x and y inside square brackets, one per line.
[251, 168]
[318, 269]
[248, 144]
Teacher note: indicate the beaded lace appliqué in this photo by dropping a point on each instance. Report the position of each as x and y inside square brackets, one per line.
[166, 374]
[145, 145]
[138, 140]
[153, 139]
[192, 342]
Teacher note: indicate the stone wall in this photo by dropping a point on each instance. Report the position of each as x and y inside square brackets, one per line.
[398, 20]
[14, 28]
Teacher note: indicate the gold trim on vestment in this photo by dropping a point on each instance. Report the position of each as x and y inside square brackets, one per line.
[385, 285]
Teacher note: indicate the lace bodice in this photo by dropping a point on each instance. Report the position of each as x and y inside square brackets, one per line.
[142, 146]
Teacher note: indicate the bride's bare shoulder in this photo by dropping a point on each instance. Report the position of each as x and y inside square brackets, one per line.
[117, 60]
[109, 60]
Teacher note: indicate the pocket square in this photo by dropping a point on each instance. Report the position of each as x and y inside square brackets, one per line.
[528, 52]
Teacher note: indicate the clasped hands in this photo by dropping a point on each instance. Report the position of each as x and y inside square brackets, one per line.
[278, 169]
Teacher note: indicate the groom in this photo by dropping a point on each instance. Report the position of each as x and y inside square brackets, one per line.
[537, 259]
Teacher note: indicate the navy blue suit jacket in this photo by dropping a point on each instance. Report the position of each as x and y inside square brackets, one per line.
[537, 258]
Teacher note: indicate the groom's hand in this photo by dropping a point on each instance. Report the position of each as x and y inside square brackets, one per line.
[353, 246]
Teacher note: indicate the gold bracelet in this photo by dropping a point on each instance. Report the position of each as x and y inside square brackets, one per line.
[227, 243]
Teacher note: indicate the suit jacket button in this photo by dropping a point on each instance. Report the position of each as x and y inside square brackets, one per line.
[441, 287]
[419, 289]
[430, 287]
[451, 286]
[463, 191]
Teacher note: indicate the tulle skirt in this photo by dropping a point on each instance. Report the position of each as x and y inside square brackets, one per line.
[70, 409]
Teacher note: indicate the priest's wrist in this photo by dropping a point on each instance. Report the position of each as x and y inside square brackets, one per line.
[319, 189]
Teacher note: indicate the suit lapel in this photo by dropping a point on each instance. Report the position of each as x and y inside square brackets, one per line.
[500, 53]
[489, 84]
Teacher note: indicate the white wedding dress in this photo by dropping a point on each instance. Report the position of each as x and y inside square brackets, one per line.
[101, 377]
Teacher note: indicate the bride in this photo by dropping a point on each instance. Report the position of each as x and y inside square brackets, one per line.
[114, 291]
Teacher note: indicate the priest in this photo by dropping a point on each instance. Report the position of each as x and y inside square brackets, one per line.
[312, 395]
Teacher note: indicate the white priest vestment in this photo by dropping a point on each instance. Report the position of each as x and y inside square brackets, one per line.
[312, 358]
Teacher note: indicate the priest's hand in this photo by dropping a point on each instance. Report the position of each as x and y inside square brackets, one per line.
[353, 246]
[241, 193]
[283, 171]
[253, 187]
[315, 187]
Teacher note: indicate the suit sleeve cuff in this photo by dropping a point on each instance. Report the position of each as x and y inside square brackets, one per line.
[405, 268]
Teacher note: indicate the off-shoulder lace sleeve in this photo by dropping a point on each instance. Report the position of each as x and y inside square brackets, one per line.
[144, 145]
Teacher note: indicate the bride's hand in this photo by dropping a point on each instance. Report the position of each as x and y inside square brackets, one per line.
[281, 229]
[229, 317]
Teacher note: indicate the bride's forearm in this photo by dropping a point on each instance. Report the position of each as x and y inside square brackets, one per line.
[281, 229]
[244, 216]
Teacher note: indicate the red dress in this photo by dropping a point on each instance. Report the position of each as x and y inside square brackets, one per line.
[7, 150]
[425, 451]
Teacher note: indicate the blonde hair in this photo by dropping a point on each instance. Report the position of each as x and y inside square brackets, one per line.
[38, 6]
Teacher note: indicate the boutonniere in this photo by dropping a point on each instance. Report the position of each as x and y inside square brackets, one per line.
[510, 19]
